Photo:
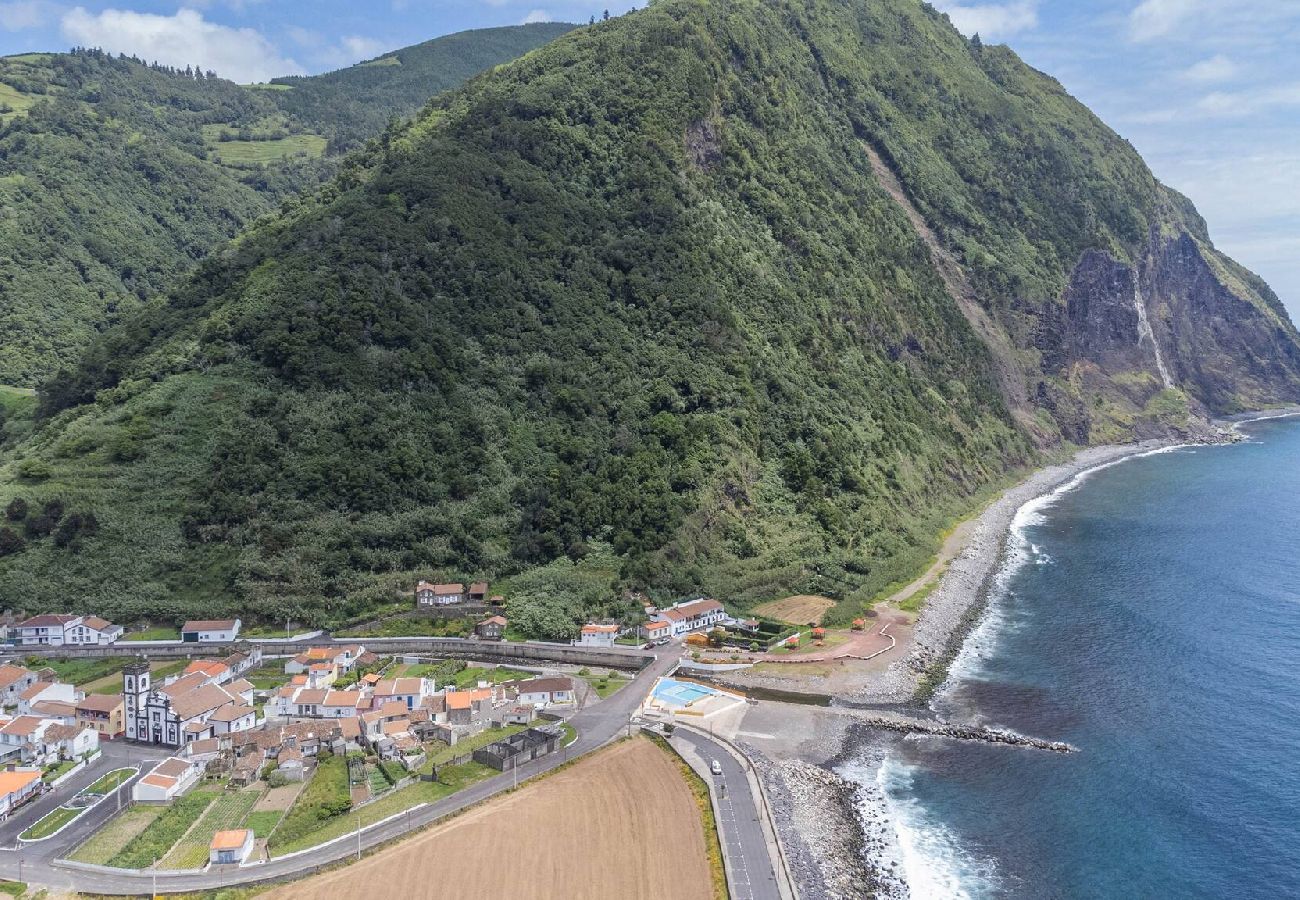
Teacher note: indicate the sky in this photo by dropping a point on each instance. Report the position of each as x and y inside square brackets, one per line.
[1207, 90]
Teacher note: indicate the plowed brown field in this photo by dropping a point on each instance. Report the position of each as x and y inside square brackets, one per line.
[619, 824]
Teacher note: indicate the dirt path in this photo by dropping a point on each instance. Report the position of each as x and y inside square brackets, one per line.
[621, 823]
[953, 544]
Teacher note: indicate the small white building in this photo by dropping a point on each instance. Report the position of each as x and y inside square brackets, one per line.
[17, 786]
[45, 630]
[168, 780]
[231, 847]
[546, 691]
[232, 718]
[210, 631]
[656, 631]
[597, 636]
[340, 704]
[13, 681]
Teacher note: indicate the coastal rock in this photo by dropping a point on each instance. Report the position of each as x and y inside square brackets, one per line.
[834, 852]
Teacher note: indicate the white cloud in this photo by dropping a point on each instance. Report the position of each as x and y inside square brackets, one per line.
[359, 48]
[22, 14]
[992, 20]
[1152, 19]
[186, 38]
[1216, 69]
[537, 15]
[1237, 104]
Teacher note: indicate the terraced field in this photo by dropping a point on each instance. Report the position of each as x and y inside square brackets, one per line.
[229, 811]
[108, 841]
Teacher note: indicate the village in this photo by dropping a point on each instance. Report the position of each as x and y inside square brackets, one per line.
[242, 751]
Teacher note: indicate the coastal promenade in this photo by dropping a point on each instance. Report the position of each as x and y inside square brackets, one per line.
[596, 726]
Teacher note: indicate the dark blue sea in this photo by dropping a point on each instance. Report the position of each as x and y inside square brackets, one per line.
[1150, 615]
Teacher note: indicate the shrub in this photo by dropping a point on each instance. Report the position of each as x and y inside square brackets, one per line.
[16, 511]
[34, 469]
[325, 797]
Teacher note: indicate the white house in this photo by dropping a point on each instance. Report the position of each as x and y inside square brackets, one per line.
[44, 631]
[23, 737]
[694, 615]
[233, 717]
[230, 847]
[91, 631]
[69, 741]
[168, 780]
[657, 631]
[597, 636]
[340, 704]
[43, 691]
[410, 691]
[546, 691]
[427, 595]
[210, 631]
[13, 681]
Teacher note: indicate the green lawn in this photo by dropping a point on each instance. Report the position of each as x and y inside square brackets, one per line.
[263, 823]
[51, 822]
[158, 633]
[79, 671]
[58, 769]
[110, 781]
[120, 830]
[13, 888]
[455, 778]
[325, 797]
[472, 675]
[229, 811]
[604, 685]
[249, 152]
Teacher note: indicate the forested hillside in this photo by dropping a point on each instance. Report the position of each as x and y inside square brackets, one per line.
[745, 298]
[116, 176]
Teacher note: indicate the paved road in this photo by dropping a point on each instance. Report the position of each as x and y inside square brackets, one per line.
[752, 876]
[596, 726]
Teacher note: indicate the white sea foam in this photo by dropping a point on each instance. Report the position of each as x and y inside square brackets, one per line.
[984, 639]
[935, 865]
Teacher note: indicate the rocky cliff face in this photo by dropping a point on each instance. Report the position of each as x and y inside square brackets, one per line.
[1155, 345]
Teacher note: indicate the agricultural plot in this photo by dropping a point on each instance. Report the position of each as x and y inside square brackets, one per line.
[227, 812]
[803, 609]
[613, 842]
[119, 831]
[260, 152]
[156, 840]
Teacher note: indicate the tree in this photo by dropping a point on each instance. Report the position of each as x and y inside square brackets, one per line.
[16, 511]
[10, 541]
[605, 16]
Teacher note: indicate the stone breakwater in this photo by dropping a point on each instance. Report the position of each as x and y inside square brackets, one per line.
[964, 733]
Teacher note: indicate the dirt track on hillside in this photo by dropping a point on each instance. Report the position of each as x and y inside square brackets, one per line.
[621, 823]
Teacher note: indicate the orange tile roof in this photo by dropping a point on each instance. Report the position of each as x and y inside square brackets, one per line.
[599, 629]
[161, 781]
[12, 782]
[229, 840]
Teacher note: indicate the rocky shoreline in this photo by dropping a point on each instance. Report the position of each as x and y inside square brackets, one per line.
[957, 602]
[839, 838]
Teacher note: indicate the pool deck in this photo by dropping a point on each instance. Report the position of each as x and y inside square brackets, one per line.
[705, 700]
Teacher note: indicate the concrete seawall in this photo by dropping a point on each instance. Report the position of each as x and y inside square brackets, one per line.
[442, 648]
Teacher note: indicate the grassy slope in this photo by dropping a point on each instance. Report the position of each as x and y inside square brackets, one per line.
[635, 296]
[111, 191]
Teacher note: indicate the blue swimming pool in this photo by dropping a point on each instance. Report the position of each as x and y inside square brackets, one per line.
[680, 693]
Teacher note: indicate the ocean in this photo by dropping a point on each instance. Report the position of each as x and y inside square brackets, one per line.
[1149, 614]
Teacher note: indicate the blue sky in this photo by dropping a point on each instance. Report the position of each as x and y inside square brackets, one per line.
[1208, 90]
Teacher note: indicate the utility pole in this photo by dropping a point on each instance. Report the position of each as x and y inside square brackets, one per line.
[358, 837]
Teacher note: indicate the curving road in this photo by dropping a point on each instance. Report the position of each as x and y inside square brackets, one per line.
[596, 726]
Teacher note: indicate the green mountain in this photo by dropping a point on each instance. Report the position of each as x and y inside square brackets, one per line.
[746, 297]
[116, 176]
